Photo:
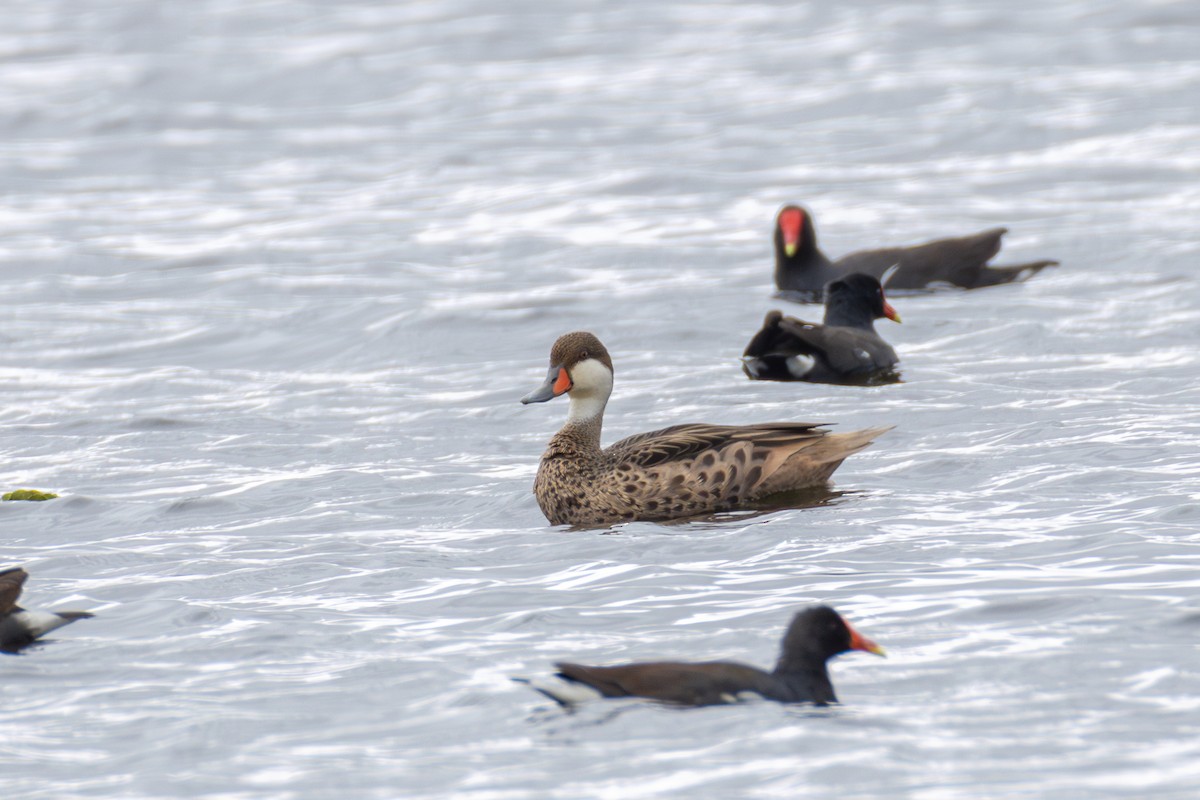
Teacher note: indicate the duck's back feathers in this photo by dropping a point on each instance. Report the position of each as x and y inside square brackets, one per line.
[682, 443]
[688, 470]
[694, 469]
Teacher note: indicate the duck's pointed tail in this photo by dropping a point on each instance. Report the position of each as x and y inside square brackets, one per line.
[813, 463]
[836, 447]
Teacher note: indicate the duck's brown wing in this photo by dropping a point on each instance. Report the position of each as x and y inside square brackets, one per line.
[698, 469]
[683, 443]
[699, 684]
[11, 581]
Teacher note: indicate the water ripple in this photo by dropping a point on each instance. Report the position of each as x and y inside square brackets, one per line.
[276, 277]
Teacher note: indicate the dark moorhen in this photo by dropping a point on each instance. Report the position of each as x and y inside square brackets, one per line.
[815, 635]
[19, 626]
[801, 269]
[845, 349]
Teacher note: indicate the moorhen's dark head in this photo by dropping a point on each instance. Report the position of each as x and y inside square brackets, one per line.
[816, 635]
[794, 232]
[856, 299]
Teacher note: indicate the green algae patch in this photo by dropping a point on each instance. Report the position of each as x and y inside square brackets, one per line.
[28, 494]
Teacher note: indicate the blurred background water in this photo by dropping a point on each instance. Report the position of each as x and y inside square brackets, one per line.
[276, 273]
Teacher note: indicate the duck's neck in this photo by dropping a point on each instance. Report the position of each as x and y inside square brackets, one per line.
[579, 437]
[587, 407]
[593, 385]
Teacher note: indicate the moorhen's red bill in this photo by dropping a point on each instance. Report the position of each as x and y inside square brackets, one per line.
[844, 349]
[802, 270]
[814, 636]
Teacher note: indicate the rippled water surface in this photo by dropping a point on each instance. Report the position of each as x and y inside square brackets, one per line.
[276, 273]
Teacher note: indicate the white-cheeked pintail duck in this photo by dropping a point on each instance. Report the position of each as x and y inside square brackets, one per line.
[681, 471]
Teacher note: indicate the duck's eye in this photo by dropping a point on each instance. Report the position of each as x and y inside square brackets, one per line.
[584, 356]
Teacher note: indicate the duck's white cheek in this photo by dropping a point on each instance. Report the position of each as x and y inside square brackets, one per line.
[592, 385]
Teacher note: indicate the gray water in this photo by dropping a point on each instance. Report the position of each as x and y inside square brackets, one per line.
[277, 272]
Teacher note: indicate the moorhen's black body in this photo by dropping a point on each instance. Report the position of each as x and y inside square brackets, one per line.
[844, 349]
[19, 626]
[802, 270]
[814, 636]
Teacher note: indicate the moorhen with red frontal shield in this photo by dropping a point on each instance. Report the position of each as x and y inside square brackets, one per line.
[802, 270]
